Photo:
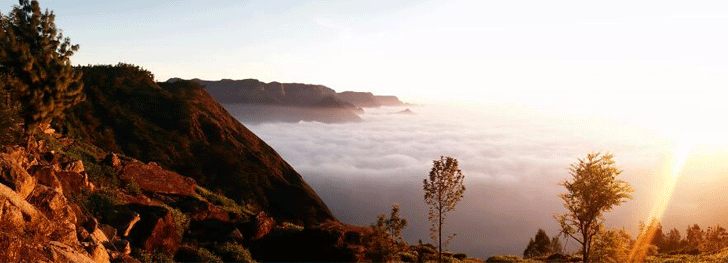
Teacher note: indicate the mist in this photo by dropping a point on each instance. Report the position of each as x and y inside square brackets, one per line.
[513, 158]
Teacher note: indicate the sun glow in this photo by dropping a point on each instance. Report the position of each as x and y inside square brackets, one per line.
[680, 155]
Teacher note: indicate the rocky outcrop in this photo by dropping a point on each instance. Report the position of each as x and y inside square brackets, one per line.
[359, 99]
[156, 231]
[153, 179]
[15, 176]
[190, 133]
[387, 100]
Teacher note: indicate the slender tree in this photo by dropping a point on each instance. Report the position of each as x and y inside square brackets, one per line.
[593, 190]
[443, 190]
[35, 64]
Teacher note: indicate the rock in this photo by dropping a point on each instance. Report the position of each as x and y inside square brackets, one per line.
[151, 178]
[73, 182]
[14, 175]
[98, 253]
[98, 236]
[59, 252]
[82, 234]
[18, 201]
[113, 160]
[121, 247]
[109, 231]
[156, 230]
[12, 215]
[74, 166]
[46, 175]
[53, 204]
[198, 210]
[262, 225]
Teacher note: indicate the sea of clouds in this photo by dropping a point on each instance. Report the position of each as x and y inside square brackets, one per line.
[513, 158]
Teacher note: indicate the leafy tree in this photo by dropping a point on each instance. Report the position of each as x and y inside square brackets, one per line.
[715, 238]
[9, 121]
[387, 234]
[611, 246]
[694, 236]
[593, 190]
[443, 190]
[540, 245]
[673, 241]
[35, 64]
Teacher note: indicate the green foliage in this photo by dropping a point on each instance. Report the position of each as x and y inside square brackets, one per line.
[9, 119]
[290, 226]
[35, 64]
[232, 252]
[223, 202]
[151, 257]
[182, 221]
[386, 240]
[593, 190]
[101, 202]
[102, 175]
[611, 246]
[407, 256]
[133, 188]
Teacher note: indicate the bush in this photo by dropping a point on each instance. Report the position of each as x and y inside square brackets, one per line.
[290, 226]
[101, 202]
[133, 188]
[181, 220]
[408, 256]
[232, 252]
[102, 176]
[156, 256]
[460, 256]
[190, 253]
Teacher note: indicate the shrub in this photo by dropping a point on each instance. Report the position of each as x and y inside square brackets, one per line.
[102, 175]
[156, 256]
[101, 202]
[408, 256]
[460, 256]
[133, 188]
[290, 226]
[505, 259]
[182, 221]
[232, 252]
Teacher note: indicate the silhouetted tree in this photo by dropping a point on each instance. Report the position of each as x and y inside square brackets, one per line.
[387, 236]
[540, 245]
[556, 246]
[593, 190]
[35, 64]
[673, 241]
[443, 190]
[694, 236]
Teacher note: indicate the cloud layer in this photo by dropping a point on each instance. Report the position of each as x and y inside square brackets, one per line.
[513, 159]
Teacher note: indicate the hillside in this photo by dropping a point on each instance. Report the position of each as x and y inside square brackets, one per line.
[181, 127]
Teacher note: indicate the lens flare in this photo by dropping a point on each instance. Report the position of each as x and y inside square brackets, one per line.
[679, 158]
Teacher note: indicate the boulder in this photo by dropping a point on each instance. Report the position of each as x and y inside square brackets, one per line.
[46, 175]
[11, 214]
[198, 210]
[59, 252]
[156, 230]
[74, 166]
[73, 182]
[151, 178]
[53, 204]
[98, 253]
[259, 226]
[14, 175]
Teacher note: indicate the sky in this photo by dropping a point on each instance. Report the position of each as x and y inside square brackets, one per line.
[534, 52]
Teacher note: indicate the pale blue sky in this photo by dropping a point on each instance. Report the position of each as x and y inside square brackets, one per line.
[502, 51]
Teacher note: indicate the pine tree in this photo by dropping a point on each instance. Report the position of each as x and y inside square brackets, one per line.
[35, 64]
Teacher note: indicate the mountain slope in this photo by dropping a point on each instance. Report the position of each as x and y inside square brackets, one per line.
[181, 127]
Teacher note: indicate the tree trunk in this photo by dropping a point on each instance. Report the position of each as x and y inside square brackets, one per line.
[585, 252]
[439, 236]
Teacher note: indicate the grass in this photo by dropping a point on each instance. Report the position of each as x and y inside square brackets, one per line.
[223, 202]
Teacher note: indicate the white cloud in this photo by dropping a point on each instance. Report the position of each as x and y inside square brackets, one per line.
[512, 160]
